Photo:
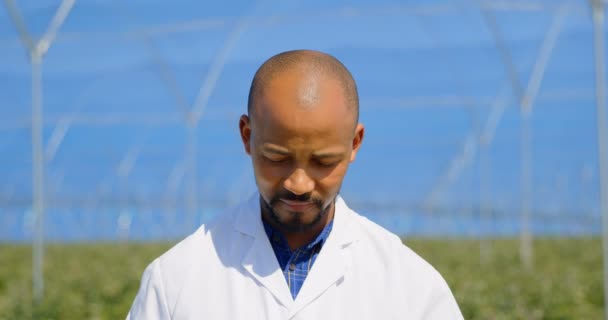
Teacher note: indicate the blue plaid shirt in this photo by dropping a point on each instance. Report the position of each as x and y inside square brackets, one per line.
[296, 264]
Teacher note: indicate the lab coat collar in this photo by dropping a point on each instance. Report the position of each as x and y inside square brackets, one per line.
[249, 221]
[330, 266]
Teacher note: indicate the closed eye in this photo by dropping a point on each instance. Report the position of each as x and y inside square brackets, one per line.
[327, 164]
[275, 159]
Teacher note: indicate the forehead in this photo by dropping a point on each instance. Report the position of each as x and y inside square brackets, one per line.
[295, 105]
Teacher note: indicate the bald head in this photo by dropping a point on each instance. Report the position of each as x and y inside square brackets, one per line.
[313, 67]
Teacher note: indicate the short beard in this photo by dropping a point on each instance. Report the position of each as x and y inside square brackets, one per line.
[295, 226]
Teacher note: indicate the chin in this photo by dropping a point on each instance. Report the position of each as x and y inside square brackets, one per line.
[298, 221]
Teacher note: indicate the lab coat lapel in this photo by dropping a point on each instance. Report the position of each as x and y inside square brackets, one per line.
[259, 259]
[332, 262]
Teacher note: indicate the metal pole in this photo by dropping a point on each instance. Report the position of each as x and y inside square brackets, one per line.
[525, 242]
[602, 132]
[36, 51]
[527, 103]
[484, 204]
[192, 160]
[37, 176]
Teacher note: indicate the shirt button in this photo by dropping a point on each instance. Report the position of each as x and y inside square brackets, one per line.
[292, 267]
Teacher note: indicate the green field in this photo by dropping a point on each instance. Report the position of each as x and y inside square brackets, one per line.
[99, 281]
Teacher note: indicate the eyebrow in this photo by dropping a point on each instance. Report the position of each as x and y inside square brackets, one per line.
[329, 154]
[275, 149]
[270, 148]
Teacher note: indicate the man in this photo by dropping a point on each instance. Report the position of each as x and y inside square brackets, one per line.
[295, 250]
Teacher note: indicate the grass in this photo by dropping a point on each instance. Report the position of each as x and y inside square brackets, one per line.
[83, 281]
[564, 283]
[99, 281]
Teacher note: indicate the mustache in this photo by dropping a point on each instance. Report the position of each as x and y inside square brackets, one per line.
[286, 195]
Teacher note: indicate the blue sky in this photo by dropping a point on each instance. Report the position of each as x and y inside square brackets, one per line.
[428, 74]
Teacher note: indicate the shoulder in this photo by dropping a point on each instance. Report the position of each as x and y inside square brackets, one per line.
[412, 278]
[389, 245]
[383, 246]
[190, 248]
[174, 268]
[187, 263]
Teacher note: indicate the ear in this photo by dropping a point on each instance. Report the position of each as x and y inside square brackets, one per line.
[357, 140]
[245, 129]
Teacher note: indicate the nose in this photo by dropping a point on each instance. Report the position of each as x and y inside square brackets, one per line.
[299, 182]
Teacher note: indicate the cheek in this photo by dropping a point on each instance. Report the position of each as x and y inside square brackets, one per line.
[267, 177]
[331, 182]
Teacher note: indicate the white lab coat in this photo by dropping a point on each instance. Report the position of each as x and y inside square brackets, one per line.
[227, 270]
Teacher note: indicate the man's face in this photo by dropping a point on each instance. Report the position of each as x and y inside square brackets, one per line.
[301, 138]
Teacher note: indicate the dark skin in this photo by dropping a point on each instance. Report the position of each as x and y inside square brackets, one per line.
[301, 136]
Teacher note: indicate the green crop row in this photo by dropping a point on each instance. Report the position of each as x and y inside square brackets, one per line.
[99, 281]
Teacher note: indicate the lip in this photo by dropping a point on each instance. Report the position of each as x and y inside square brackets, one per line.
[297, 205]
